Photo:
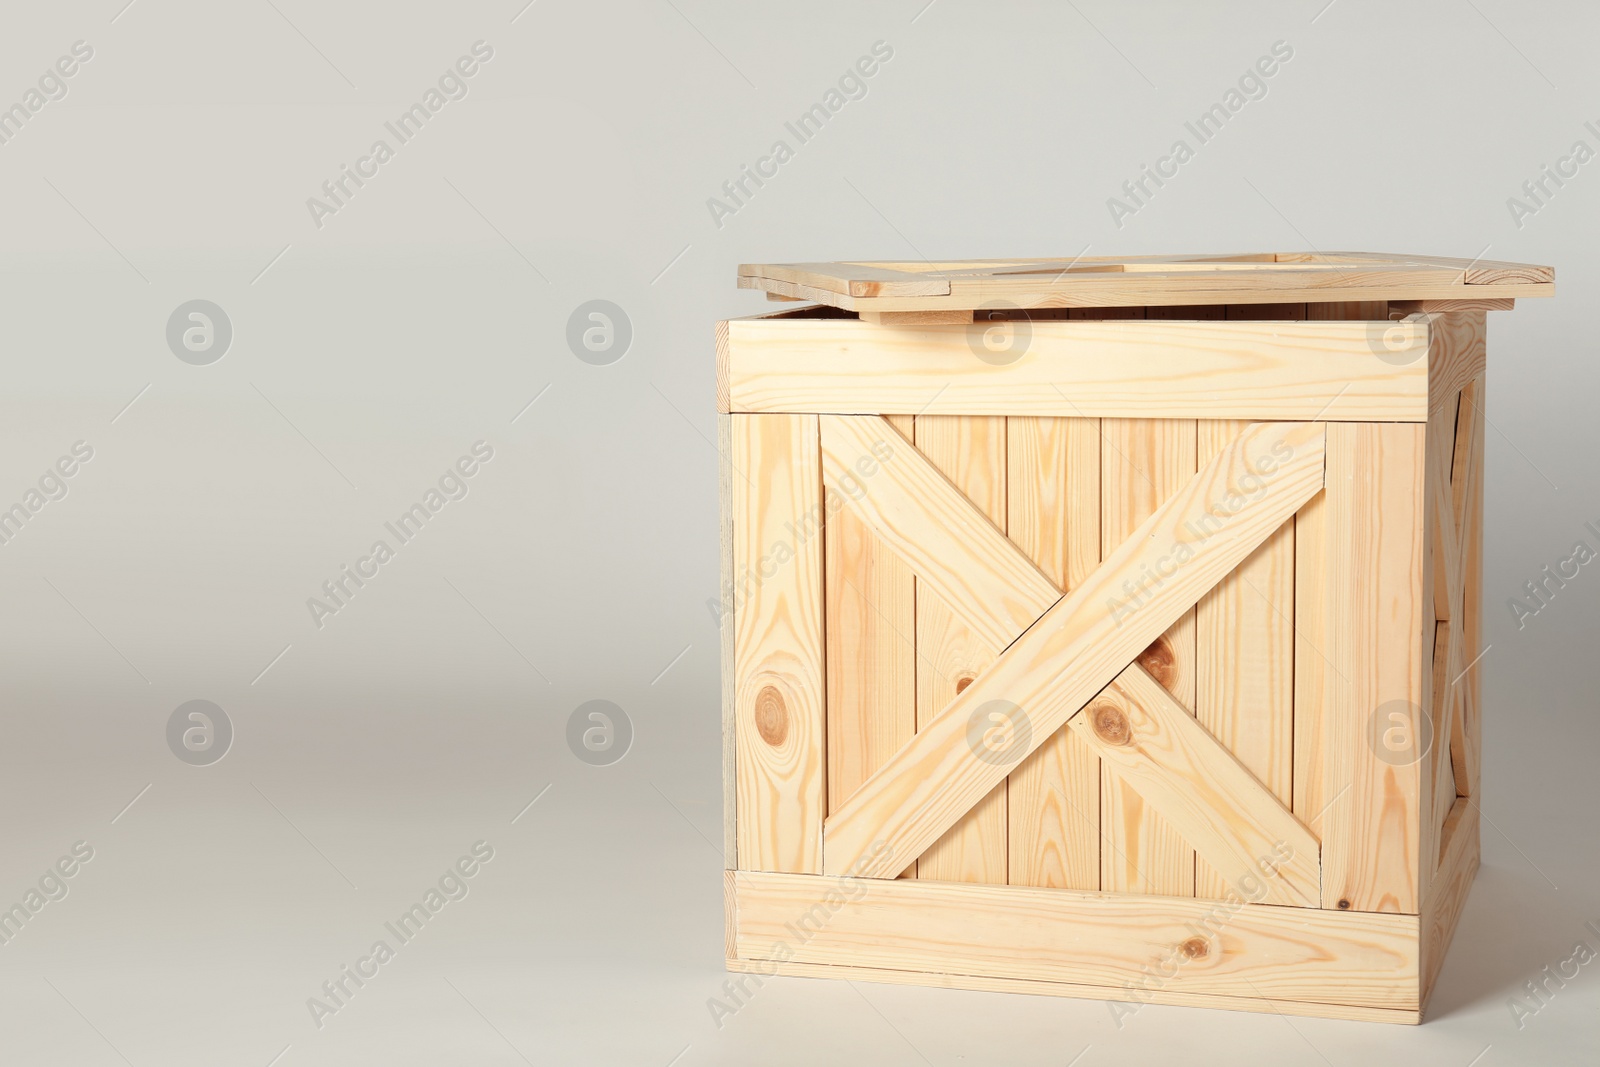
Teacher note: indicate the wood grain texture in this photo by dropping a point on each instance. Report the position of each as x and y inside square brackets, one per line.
[1118, 368]
[1053, 503]
[1097, 281]
[971, 453]
[1054, 669]
[1375, 619]
[1466, 742]
[955, 550]
[1311, 619]
[778, 644]
[851, 279]
[1244, 660]
[1368, 310]
[724, 401]
[725, 637]
[1311, 663]
[1444, 579]
[872, 655]
[1456, 355]
[1061, 935]
[917, 318]
[730, 915]
[1130, 995]
[1441, 911]
[1245, 835]
[1144, 462]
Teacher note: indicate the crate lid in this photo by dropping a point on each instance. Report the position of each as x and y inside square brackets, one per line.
[1106, 281]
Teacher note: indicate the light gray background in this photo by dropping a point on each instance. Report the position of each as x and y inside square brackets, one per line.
[370, 353]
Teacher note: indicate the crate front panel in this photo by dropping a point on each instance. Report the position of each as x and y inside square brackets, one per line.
[1064, 492]
[1265, 682]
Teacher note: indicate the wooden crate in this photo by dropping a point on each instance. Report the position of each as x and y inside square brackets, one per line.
[1120, 643]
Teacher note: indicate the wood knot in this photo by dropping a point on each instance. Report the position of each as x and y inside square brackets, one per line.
[1344, 905]
[962, 683]
[1160, 661]
[772, 717]
[1195, 948]
[1110, 724]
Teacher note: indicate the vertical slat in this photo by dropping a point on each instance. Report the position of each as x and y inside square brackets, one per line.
[779, 651]
[1144, 461]
[1311, 664]
[1466, 752]
[872, 654]
[1375, 618]
[725, 630]
[1053, 514]
[971, 452]
[1244, 666]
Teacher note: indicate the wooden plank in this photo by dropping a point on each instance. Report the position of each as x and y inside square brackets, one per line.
[1144, 462]
[1455, 355]
[1128, 996]
[725, 610]
[730, 914]
[778, 644]
[1238, 284]
[1244, 660]
[1049, 673]
[955, 550]
[1099, 281]
[1243, 832]
[1053, 796]
[1118, 368]
[1311, 619]
[1375, 631]
[871, 619]
[1311, 663]
[918, 318]
[1233, 947]
[1441, 911]
[1407, 307]
[1466, 752]
[1476, 271]
[849, 279]
[971, 453]
[724, 400]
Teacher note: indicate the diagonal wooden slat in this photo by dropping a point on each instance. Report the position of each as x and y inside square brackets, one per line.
[1234, 823]
[1049, 673]
[952, 547]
